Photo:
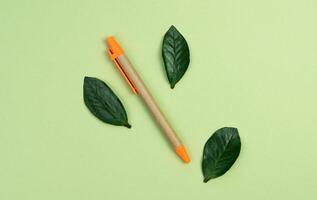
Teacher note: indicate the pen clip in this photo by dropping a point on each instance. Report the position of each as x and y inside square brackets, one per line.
[113, 58]
[114, 51]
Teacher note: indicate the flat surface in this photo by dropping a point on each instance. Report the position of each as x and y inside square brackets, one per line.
[253, 66]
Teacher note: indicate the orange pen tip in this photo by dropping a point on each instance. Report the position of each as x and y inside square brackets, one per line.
[182, 153]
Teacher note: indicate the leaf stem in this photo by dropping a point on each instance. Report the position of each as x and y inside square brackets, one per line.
[127, 125]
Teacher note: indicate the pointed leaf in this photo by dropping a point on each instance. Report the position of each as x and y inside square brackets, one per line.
[103, 103]
[175, 53]
[220, 152]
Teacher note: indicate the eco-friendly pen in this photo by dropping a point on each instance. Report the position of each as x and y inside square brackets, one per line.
[128, 72]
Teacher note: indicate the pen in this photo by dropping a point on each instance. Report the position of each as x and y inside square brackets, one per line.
[126, 69]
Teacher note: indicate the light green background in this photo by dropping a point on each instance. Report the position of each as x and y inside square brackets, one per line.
[253, 66]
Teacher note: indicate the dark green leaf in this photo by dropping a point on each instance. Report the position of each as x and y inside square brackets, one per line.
[175, 53]
[103, 103]
[220, 152]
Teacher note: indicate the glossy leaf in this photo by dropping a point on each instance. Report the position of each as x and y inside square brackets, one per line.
[103, 103]
[175, 54]
[220, 152]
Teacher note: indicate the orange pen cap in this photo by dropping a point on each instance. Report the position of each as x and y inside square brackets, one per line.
[114, 51]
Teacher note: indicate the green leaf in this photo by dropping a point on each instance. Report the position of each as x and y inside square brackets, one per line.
[220, 152]
[175, 53]
[103, 103]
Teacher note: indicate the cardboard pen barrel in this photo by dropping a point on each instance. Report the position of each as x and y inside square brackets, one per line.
[149, 101]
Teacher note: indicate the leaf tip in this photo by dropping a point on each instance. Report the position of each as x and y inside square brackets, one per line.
[86, 77]
[127, 125]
